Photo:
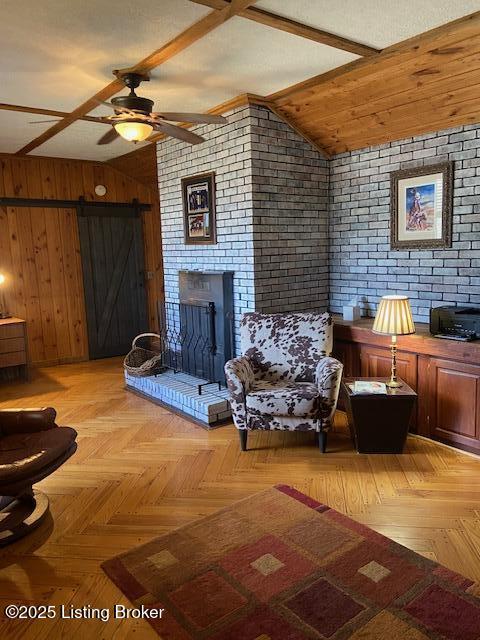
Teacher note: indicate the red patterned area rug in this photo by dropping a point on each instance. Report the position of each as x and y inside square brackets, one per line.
[281, 566]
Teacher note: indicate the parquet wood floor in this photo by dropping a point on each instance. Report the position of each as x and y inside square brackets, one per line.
[141, 471]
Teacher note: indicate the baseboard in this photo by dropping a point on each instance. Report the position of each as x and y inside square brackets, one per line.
[447, 446]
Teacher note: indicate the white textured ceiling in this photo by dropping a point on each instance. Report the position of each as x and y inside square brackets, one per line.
[57, 53]
[378, 23]
[79, 141]
[15, 130]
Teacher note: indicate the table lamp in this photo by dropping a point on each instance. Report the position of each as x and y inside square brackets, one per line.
[3, 305]
[394, 318]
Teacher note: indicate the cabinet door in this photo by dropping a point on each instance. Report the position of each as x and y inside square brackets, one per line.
[454, 403]
[377, 362]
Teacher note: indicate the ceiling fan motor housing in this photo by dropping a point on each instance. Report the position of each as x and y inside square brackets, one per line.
[135, 103]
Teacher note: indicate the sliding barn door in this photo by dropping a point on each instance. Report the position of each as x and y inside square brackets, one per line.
[111, 245]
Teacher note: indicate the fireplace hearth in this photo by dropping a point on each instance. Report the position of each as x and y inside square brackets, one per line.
[196, 341]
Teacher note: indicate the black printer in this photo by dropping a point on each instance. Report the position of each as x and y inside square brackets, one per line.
[455, 323]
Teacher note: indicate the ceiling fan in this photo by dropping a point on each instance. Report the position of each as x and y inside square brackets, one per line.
[134, 119]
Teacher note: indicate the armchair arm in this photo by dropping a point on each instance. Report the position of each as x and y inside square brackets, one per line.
[328, 376]
[26, 420]
[240, 376]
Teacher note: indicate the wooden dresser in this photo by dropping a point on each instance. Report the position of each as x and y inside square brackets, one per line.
[445, 374]
[13, 348]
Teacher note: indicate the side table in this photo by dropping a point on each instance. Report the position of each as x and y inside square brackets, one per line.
[379, 422]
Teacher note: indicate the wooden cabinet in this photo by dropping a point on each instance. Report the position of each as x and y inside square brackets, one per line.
[348, 354]
[454, 403]
[376, 362]
[13, 349]
[445, 375]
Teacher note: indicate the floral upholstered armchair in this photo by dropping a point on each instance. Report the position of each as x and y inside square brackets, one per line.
[285, 378]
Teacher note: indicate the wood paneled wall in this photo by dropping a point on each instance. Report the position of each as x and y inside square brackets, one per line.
[40, 250]
[140, 164]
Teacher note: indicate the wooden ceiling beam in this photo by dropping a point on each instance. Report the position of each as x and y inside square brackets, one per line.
[193, 33]
[296, 28]
[44, 112]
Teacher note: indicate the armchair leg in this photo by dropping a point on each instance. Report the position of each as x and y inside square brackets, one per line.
[243, 434]
[322, 441]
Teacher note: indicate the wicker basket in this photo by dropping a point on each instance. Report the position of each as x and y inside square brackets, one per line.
[145, 358]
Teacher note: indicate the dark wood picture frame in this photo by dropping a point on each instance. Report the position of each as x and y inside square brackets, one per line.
[445, 241]
[204, 199]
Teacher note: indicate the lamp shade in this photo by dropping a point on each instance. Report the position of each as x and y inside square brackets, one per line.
[394, 316]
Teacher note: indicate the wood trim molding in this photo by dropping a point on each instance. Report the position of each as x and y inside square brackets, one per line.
[243, 100]
[301, 132]
[90, 104]
[190, 35]
[296, 28]
[239, 101]
[45, 112]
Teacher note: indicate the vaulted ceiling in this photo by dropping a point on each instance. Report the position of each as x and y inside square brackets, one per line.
[58, 55]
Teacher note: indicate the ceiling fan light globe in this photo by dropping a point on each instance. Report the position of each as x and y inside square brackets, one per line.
[134, 131]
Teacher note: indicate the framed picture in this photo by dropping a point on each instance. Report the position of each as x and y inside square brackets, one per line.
[199, 209]
[421, 207]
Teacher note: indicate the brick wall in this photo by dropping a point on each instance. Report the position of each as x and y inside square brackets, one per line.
[290, 200]
[271, 200]
[227, 151]
[361, 262]
[303, 233]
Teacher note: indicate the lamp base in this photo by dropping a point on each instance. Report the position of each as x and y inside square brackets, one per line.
[393, 384]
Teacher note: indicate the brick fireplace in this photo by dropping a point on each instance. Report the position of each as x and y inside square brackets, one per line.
[271, 203]
[272, 234]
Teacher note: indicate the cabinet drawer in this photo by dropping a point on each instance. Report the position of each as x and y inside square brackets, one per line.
[11, 330]
[12, 344]
[12, 359]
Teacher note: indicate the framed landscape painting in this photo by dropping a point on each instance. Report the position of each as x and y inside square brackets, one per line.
[421, 202]
[199, 209]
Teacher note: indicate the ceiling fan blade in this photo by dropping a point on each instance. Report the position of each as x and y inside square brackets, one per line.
[196, 118]
[43, 121]
[177, 132]
[108, 137]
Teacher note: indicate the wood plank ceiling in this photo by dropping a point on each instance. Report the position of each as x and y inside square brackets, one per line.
[425, 83]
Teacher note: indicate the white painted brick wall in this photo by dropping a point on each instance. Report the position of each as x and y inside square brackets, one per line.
[271, 199]
[290, 199]
[227, 151]
[301, 233]
[361, 262]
